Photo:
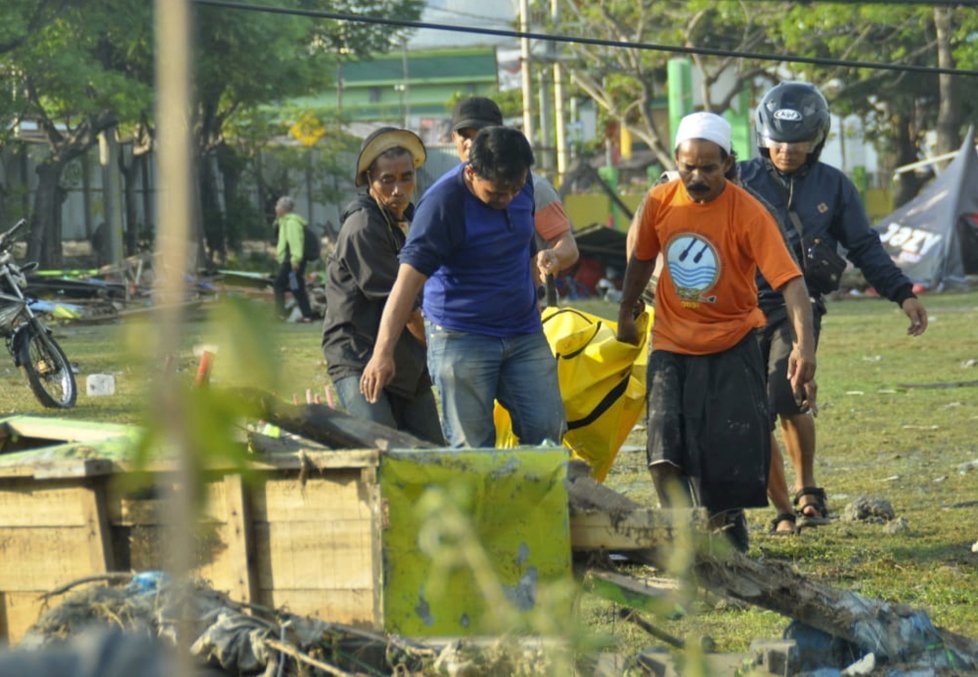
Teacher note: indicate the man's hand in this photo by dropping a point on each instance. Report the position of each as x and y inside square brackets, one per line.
[627, 332]
[547, 263]
[801, 372]
[810, 402]
[917, 314]
[376, 375]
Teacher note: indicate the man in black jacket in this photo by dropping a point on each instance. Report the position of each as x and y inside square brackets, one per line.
[815, 202]
[360, 274]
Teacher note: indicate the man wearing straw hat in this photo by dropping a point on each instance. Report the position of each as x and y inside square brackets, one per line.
[360, 273]
[708, 426]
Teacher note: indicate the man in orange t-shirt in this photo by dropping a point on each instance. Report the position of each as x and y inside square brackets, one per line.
[708, 425]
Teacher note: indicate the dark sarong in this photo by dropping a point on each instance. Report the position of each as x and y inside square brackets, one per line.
[708, 416]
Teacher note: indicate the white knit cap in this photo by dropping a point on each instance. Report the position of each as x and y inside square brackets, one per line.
[709, 126]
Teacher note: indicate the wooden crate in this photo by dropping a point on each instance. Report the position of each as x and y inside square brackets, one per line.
[303, 532]
[313, 531]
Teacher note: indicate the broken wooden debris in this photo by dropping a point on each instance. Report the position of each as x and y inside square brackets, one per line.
[250, 639]
[893, 632]
[334, 428]
[603, 519]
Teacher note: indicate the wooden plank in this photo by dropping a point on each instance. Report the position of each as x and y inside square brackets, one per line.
[323, 555]
[128, 511]
[337, 496]
[350, 607]
[47, 468]
[240, 553]
[94, 513]
[88, 467]
[27, 503]
[41, 559]
[310, 459]
[18, 612]
[639, 529]
[339, 458]
[371, 487]
[66, 430]
[147, 550]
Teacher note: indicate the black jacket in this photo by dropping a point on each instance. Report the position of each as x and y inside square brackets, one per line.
[829, 208]
[359, 276]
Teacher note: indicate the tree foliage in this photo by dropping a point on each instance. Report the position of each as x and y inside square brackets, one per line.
[248, 60]
[898, 108]
[78, 69]
[629, 84]
[80, 74]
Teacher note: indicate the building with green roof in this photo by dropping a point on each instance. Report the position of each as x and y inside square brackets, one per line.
[410, 88]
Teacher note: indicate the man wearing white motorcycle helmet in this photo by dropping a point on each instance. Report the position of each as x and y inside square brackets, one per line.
[822, 210]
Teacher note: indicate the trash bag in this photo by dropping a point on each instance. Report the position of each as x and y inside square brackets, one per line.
[602, 384]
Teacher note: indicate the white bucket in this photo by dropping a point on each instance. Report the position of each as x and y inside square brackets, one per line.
[97, 385]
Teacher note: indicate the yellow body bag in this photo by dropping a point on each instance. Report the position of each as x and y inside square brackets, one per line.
[602, 384]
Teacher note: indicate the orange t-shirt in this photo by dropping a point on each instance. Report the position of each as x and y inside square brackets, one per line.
[706, 299]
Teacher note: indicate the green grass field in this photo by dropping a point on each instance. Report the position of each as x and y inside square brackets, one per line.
[877, 437]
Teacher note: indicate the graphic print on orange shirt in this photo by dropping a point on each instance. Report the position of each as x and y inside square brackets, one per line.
[694, 267]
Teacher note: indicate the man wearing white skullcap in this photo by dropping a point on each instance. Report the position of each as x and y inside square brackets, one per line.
[708, 425]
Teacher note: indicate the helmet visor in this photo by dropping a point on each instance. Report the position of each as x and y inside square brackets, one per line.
[807, 146]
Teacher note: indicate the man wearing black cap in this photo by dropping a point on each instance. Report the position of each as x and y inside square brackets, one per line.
[552, 225]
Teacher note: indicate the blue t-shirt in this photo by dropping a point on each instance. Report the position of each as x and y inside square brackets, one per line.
[476, 258]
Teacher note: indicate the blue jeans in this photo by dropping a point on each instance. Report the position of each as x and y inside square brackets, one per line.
[417, 416]
[471, 370]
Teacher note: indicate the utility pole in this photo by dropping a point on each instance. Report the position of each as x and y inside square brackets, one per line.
[111, 194]
[526, 71]
[545, 153]
[560, 119]
[405, 100]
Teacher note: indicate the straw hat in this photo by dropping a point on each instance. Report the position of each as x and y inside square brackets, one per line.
[381, 141]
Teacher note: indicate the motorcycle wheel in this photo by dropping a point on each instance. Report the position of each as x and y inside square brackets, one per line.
[48, 371]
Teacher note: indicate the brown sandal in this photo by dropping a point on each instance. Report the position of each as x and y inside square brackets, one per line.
[818, 504]
[784, 517]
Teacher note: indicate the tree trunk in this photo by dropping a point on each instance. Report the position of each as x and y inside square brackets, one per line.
[129, 171]
[949, 111]
[908, 183]
[148, 221]
[213, 216]
[45, 241]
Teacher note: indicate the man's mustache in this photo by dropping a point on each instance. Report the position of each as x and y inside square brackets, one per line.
[697, 188]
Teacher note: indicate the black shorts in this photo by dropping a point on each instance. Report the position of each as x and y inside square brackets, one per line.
[775, 340]
[708, 416]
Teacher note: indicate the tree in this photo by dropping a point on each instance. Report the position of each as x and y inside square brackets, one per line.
[81, 74]
[898, 108]
[23, 18]
[247, 60]
[626, 83]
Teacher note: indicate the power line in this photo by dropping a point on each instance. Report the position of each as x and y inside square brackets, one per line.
[598, 42]
[905, 3]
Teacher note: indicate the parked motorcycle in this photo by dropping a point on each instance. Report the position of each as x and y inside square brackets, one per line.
[29, 341]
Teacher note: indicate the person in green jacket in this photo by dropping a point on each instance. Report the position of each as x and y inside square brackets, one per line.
[290, 256]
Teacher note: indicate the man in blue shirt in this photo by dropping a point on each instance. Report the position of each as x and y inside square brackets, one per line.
[470, 247]
[816, 202]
